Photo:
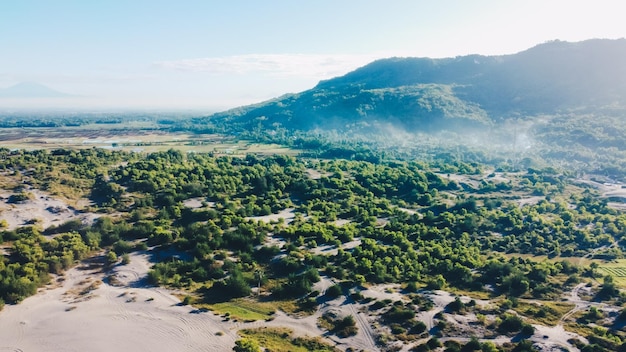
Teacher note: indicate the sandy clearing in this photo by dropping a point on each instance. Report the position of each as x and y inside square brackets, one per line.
[497, 177]
[46, 209]
[123, 318]
[382, 292]
[606, 187]
[555, 337]
[440, 300]
[341, 222]
[195, 203]
[287, 214]
[316, 175]
[462, 179]
[119, 312]
[408, 211]
[529, 200]
[333, 250]
[616, 205]
[613, 191]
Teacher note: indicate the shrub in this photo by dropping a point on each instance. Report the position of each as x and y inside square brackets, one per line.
[333, 291]
[246, 345]
[510, 323]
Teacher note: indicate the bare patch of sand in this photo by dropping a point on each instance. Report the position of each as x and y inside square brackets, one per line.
[408, 211]
[616, 192]
[341, 222]
[529, 200]
[84, 312]
[196, 203]
[42, 209]
[316, 175]
[332, 249]
[555, 338]
[382, 292]
[286, 214]
[461, 179]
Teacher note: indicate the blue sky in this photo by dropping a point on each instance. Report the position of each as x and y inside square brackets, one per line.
[213, 55]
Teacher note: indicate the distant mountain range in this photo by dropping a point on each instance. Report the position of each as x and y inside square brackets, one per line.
[31, 90]
[421, 94]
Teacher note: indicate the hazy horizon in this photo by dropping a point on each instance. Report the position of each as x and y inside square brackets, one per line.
[195, 55]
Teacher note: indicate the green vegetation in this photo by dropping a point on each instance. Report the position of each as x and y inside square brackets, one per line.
[244, 309]
[33, 257]
[211, 220]
[377, 178]
[246, 345]
[341, 326]
[280, 340]
[547, 313]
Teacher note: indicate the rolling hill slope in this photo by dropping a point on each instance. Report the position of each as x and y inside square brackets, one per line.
[422, 94]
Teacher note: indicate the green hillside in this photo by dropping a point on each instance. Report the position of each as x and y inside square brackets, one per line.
[422, 94]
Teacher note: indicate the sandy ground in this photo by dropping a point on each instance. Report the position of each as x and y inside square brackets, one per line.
[614, 191]
[529, 200]
[408, 211]
[342, 306]
[124, 317]
[331, 250]
[88, 310]
[461, 179]
[46, 209]
[316, 174]
[286, 214]
[195, 203]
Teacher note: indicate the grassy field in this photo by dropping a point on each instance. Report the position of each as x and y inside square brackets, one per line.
[130, 139]
[617, 269]
[244, 309]
[580, 261]
[547, 313]
[250, 309]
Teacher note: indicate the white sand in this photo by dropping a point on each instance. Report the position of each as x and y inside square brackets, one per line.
[382, 292]
[532, 200]
[333, 250]
[286, 214]
[122, 314]
[110, 318]
[316, 174]
[44, 208]
[195, 203]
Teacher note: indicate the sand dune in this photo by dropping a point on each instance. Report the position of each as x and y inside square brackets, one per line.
[122, 317]
[88, 310]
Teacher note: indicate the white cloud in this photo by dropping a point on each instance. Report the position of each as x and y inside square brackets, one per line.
[281, 65]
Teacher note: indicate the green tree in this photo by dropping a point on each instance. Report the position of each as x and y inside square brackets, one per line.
[111, 258]
[246, 345]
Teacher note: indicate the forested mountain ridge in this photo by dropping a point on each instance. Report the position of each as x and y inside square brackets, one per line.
[423, 94]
